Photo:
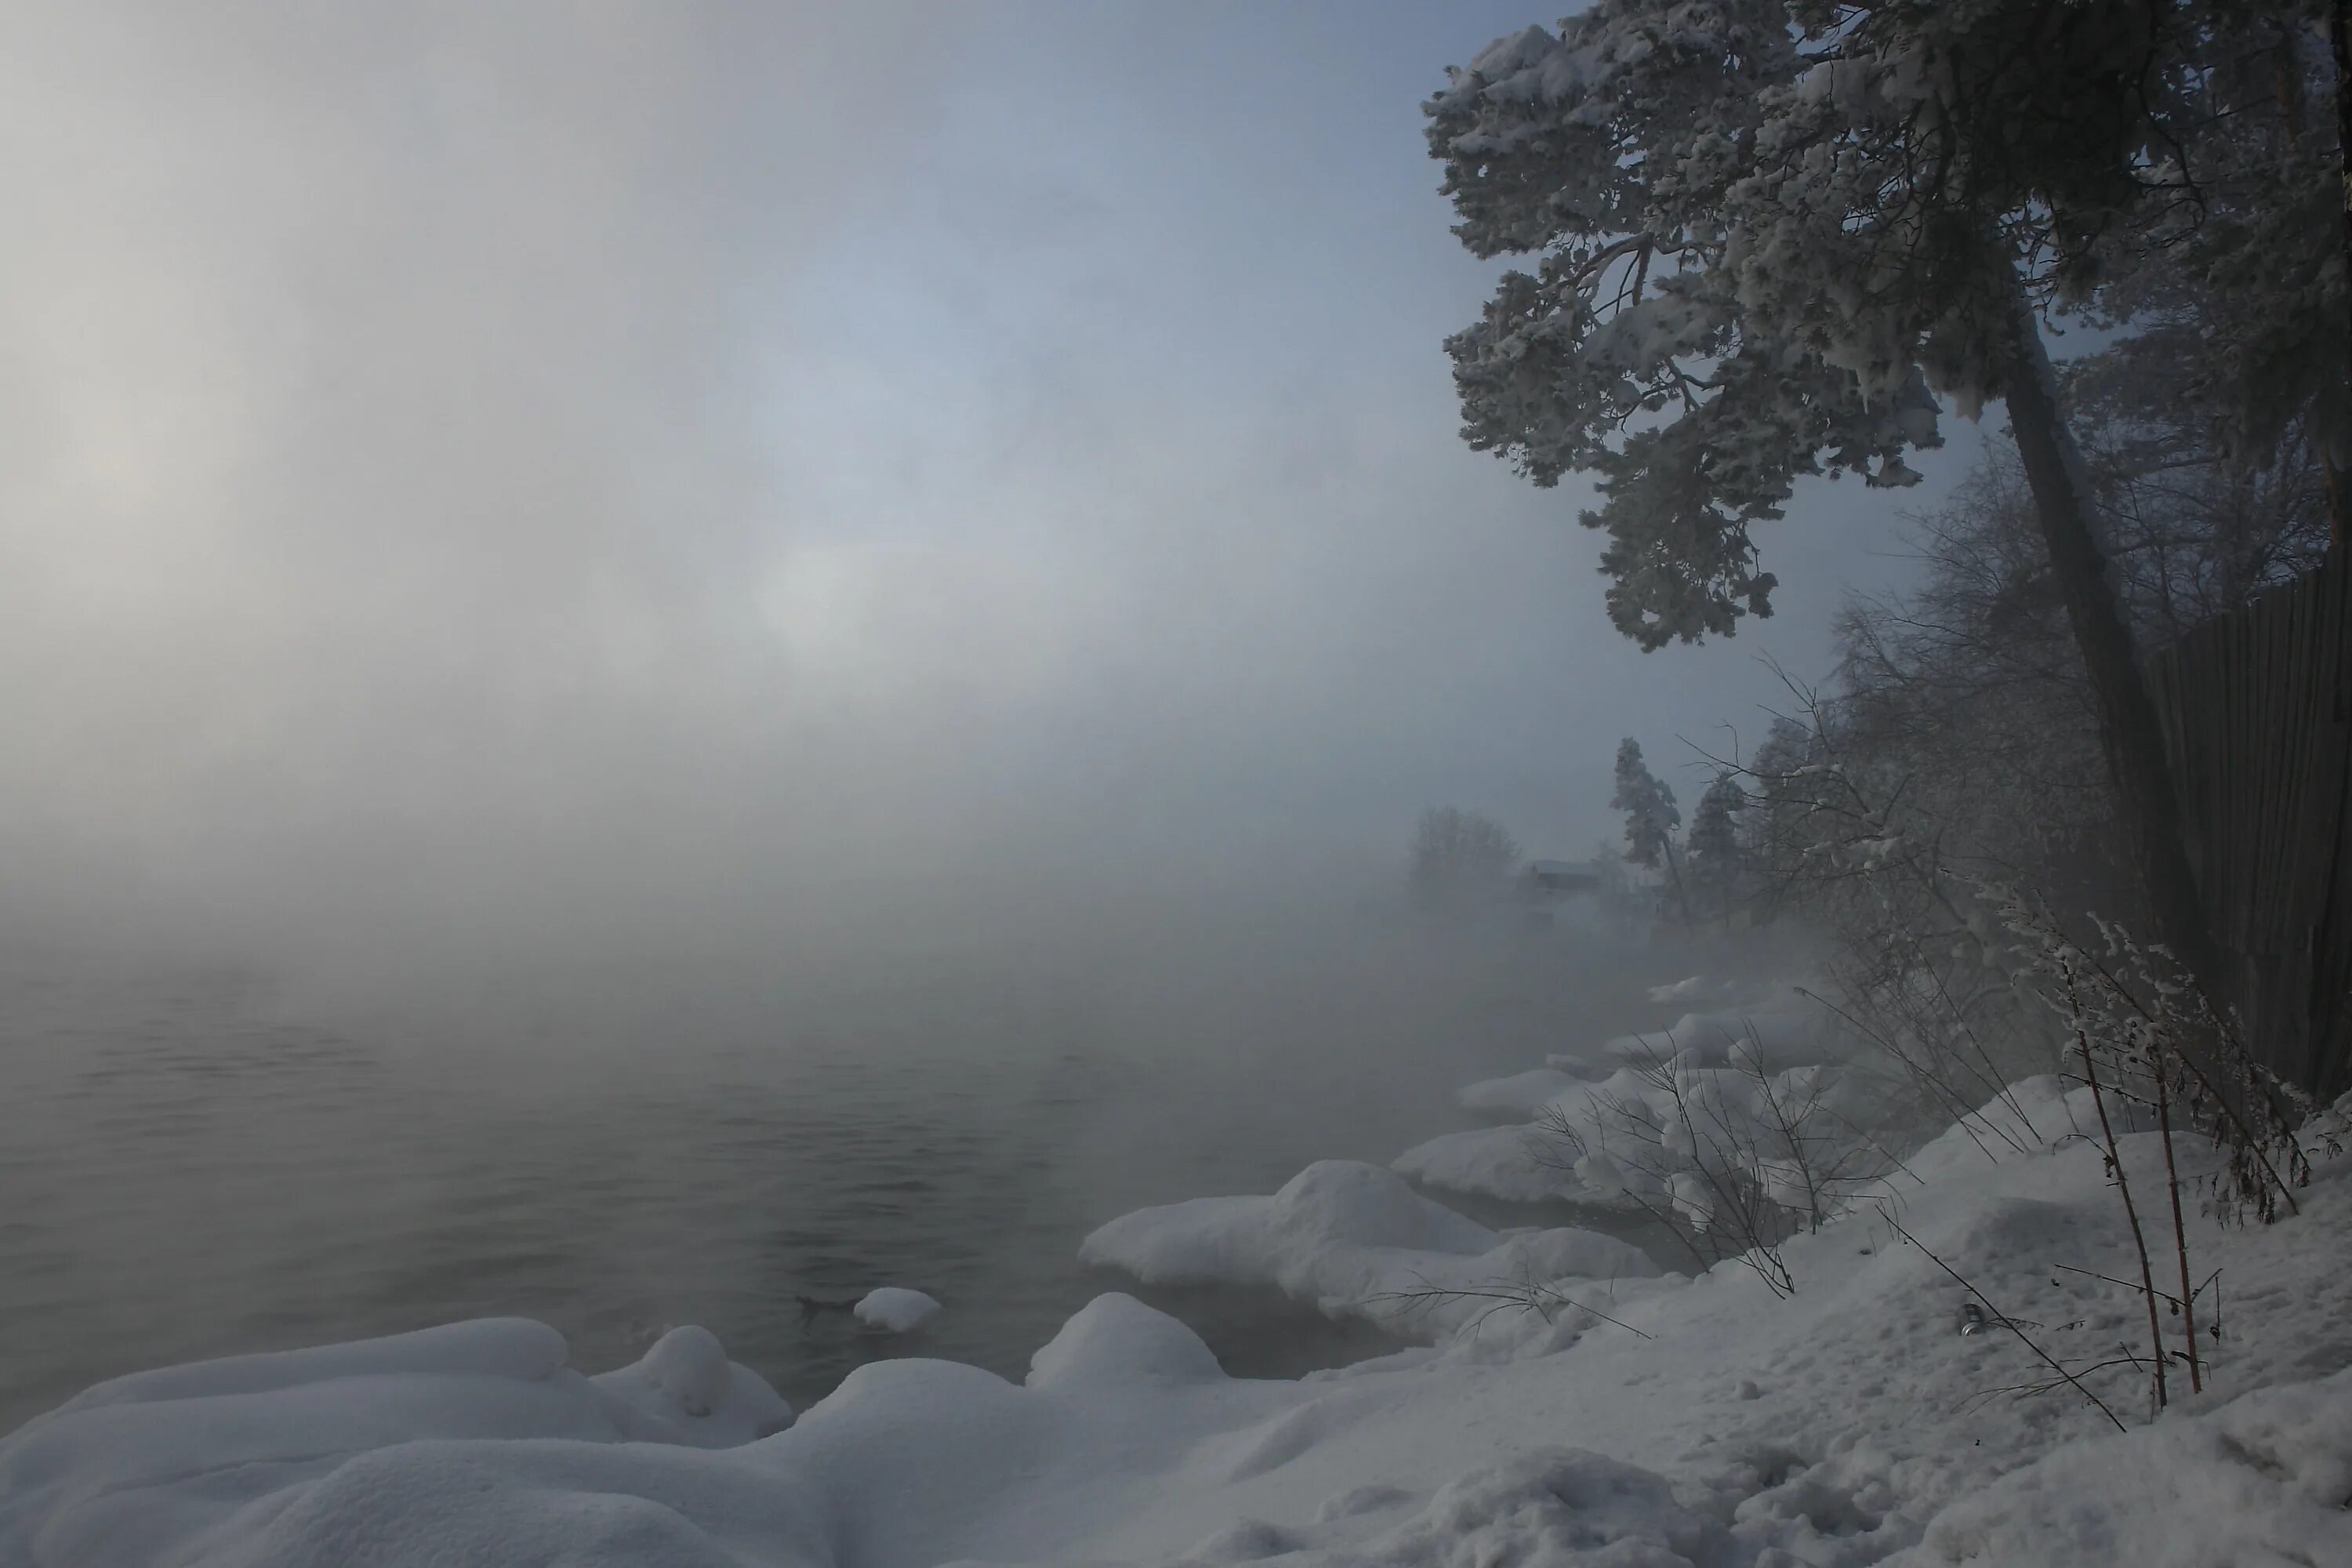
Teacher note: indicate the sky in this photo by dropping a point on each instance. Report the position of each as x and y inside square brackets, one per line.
[700, 474]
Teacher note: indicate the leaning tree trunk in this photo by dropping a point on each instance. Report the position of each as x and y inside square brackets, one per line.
[2146, 805]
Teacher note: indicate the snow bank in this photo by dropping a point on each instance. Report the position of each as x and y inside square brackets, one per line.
[1555, 1505]
[1617, 1139]
[1350, 1237]
[1775, 1088]
[893, 1309]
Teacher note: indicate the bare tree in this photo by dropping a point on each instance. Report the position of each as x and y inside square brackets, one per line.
[1461, 859]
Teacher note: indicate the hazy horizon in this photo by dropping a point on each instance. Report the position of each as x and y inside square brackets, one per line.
[711, 477]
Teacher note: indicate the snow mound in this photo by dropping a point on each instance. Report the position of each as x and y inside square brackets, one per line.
[583, 1504]
[300, 1456]
[2265, 1478]
[1700, 989]
[692, 1392]
[1521, 1094]
[514, 1348]
[894, 1310]
[1116, 1340]
[1514, 1163]
[1350, 1237]
[1784, 1030]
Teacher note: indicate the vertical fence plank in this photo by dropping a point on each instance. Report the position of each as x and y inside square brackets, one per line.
[2256, 707]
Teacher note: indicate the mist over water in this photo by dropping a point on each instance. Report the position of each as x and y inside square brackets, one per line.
[203, 1162]
[661, 657]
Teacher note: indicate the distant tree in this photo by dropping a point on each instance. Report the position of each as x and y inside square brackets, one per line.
[1717, 860]
[1651, 818]
[1461, 859]
[1779, 828]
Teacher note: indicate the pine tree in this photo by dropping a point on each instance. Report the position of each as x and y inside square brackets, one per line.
[1716, 862]
[1651, 818]
[1771, 233]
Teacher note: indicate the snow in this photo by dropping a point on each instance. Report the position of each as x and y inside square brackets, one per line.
[1352, 1238]
[491, 1347]
[473, 1433]
[1508, 1163]
[1115, 1339]
[1703, 1421]
[2265, 1478]
[1521, 1094]
[894, 1310]
[690, 1392]
[1734, 1066]
[1785, 1029]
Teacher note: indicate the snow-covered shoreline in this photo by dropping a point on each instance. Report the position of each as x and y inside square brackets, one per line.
[1626, 1418]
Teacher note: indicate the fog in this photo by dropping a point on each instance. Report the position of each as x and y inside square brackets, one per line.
[518, 485]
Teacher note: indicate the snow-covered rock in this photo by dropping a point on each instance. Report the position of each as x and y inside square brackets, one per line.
[413, 1441]
[894, 1309]
[1521, 1094]
[1781, 1031]
[1517, 1165]
[1352, 1238]
[692, 1394]
[1115, 1340]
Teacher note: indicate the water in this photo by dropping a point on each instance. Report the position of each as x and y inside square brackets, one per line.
[191, 1166]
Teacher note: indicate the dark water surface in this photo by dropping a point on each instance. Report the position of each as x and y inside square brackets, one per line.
[190, 1167]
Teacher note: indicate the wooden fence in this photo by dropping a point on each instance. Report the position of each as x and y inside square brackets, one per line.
[2257, 713]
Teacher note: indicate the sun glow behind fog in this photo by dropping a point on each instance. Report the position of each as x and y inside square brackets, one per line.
[866, 621]
[691, 471]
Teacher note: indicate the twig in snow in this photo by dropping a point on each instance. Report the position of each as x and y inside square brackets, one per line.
[2023, 1338]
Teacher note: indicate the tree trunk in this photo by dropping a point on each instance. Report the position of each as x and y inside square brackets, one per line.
[2339, 41]
[1681, 896]
[2146, 804]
